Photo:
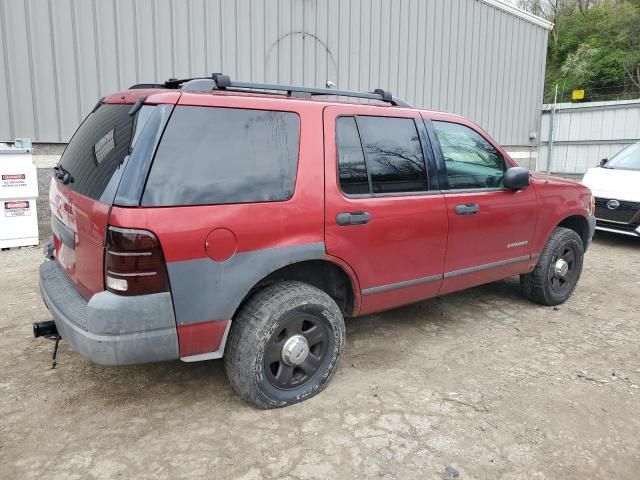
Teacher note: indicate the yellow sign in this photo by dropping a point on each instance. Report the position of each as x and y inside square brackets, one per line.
[577, 95]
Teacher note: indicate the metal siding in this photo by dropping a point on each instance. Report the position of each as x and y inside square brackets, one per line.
[403, 48]
[17, 56]
[472, 82]
[197, 38]
[228, 38]
[106, 52]
[383, 52]
[126, 33]
[394, 48]
[464, 79]
[504, 98]
[87, 79]
[532, 56]
[163, 39]
[375, 26]
[57, 57]
[6, 115]
[46, 117]
[180, 47]
[586, 133]
[483, 68]
[518, 110]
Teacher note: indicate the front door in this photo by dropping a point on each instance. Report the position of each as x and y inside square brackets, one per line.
[490, 227]
[383, 217]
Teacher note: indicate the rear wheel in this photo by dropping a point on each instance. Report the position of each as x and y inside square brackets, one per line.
[556, 275]
[284, 345]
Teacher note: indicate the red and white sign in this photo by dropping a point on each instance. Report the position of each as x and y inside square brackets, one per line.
[14, 180]
[16, 176]
[16, 209]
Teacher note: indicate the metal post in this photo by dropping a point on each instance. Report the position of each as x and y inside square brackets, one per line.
[551, 128]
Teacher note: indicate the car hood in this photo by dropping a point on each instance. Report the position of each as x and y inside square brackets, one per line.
[612, 183]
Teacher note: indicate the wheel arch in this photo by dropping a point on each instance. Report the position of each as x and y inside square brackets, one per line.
[329, 275]
[573, 220]
[579, 224]
[208, 295]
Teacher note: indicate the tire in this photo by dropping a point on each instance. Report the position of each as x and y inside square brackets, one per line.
[545, 284]
[261, 342]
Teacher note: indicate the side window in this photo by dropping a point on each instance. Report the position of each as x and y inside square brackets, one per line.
[394, 155]
[471, 161]
[211, 155]
[386, 148]
[351, 166]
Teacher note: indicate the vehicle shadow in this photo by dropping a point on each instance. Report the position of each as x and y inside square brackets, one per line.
[206, 381]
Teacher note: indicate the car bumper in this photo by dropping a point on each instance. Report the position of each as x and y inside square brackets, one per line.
[624, 229]
[592, 230]
[110, 329]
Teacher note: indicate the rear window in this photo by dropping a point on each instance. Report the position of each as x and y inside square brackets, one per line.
[211, 155]
[98, 148]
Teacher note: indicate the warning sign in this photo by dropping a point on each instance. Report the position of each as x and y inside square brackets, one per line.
[14, 180]
[18, 194]
[16, 209]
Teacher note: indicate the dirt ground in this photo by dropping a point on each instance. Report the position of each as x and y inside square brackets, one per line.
[477, 384]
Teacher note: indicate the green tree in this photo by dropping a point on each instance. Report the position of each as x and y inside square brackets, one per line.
[595, 46]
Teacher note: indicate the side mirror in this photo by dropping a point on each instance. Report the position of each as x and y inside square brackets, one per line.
[603, 162]
[516, 178]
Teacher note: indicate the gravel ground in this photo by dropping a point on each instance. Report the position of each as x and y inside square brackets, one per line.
[476, 384]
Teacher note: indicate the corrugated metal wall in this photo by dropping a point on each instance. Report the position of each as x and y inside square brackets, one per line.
[463, 56]
[588, 132]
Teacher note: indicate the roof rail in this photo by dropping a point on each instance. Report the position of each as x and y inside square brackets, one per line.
[219, 81]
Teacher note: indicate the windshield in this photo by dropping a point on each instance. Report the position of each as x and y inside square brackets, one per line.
[627, 159]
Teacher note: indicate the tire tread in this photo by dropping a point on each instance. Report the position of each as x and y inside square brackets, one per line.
[534, 284]
[247, 332]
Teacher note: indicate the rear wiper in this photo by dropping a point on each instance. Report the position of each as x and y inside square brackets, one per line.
[61, 174]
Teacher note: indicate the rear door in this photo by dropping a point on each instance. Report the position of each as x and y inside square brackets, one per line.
[94, 160]
[490, 227]
[383, 216]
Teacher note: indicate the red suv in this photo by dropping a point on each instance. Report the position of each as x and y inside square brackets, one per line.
[204, 218]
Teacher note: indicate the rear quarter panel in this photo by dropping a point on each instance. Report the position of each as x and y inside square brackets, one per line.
[267, 236]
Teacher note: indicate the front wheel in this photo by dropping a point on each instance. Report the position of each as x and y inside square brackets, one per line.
[556, 275]
[284, 345]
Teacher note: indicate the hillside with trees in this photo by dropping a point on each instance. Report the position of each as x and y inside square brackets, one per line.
[594, 46]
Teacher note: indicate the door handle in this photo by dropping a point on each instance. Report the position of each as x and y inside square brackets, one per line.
[352, 218]
[467, 209]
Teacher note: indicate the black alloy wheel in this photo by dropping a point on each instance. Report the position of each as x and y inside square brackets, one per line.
[562, 268]
[296, 351]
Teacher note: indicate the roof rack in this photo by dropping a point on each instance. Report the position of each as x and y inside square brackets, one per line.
[219, 81]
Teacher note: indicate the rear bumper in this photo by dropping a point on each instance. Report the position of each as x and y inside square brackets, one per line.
[110, 329]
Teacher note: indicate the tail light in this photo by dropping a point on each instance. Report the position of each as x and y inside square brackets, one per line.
[134, 263]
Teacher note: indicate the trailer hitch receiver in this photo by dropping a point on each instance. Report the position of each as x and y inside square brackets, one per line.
[45, 329]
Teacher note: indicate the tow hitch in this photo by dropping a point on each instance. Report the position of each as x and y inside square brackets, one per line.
[48, 330]
[45, 329]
